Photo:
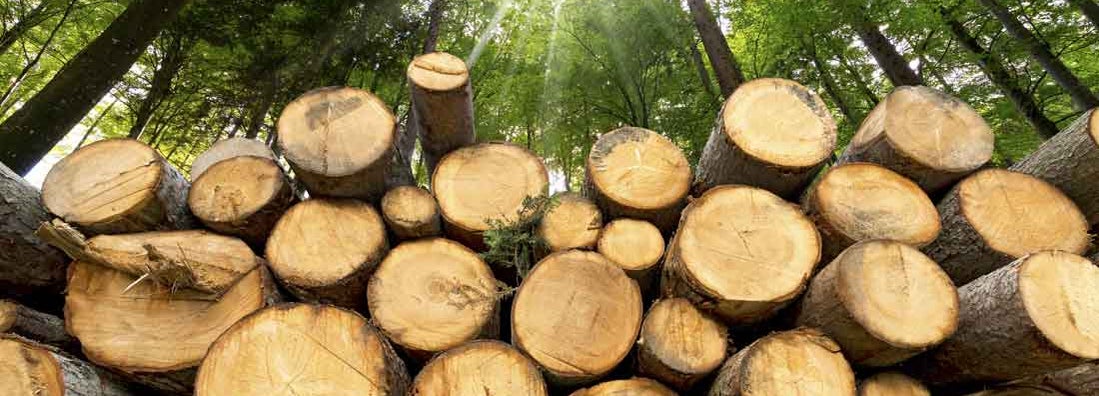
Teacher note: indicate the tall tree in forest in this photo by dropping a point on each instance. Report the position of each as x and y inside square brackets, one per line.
[29, 133]
[729, 75]
[889, 59]
[434, 19]
[29, 20]
[1090, 10]
[174, 53]
[33, 62]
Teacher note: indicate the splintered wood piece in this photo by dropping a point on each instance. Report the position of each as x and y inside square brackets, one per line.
[30, 269]
[773, 134]
[892, 384]
[573, 223]
[242, 196]
[324, 250]
[116, 186]
[339, 142]
[925, 135]
[795, 362]
[229, 148]
[302, 349]
[411, 212]
[996, 216]
[636, 246]
[679, 345]
[483, 367]
[442, 104]
[27, 368]
[741, 252]
[631, 387]
[40, 327]
[1070, 161]
[577, 316]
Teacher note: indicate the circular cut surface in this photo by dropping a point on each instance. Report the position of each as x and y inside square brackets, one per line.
[488, 181]
[336, 131]
[432, 294]
[744, 243]
[892, 384]
[639, 168]
[235, 188]
[574, 223]
[897, 294]
[9, 312]
[409, 206]
[632, 244]
[780, 122]
[226, 149]
[102, 181]
[685, 340]
[438, 71]
[26, 370]
[1017, 214]
[795, 363]
[576, 314]
[321, 241]
[1058, 290]
[628, 387]
[480, 368]
[297, 349]
[865, 201]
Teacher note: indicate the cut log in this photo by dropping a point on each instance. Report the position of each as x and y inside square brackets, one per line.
[742, 253]
[431, 295]
[147, 331]
[860, 202]
[997, 216]
[483, 184]
[29, 268]
[1021, 390]
[577, 316]
[631, 387]
[1079, 380]
[773, 134]
[480, 368]
[795, 362]
[896, 135]
[116, 186]
[40, 327]
[27, 368]
[892, 384]
[411, 212]
[324, 250]
[883, 302]
[242, 196]
[339, 142]
[442, 104]
[1036, 315]
[1070, 161]
[638, 173]
[301, 349]
[680, 345]
[226, 149]
[636, 246]
[573, 223]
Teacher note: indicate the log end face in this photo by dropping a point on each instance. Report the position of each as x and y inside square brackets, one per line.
[321, 242]
[228, 148]
[1059, 290]
[892, 384]
[29, 370]
[683, 340]
[639, 169]
[9, 313]
[481, 367]
[794, 362]
[634, 245]
[573, 223]
[780, 122]
[632, 387]
[337, 131]
[936, 130]
[438, 72]
[487, 182]
[235, 189]
[411, 212]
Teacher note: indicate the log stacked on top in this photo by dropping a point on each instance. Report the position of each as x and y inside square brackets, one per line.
[480, 368]
[573, 222]
[411, 212]
[786, 363]
[1070, 161]
[442, 104]
[29, 268]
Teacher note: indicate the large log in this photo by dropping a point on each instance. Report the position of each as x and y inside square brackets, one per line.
[795, 362]
[742, 253]
[27, 368]
[38, 326]
[480, 368]
[242, 196]
[411, 212]
[442, 104]
[29, 268]
[892, 384]
[631, 387]
[1070, 161]
[339, 142]
[636, 246]
[638, 173]
[577, 316]
[1022, 390]
[301, 349]
[679, 345]
[925, 135]
[324, 250]
[572, 223]
[995, 216]
[116, 186]
[226, 149]
[1079, 380]
[773, 134]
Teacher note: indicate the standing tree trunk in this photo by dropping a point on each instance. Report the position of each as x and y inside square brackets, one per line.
[1087, 7]
[725, 65]
[174, 56]
[833, 90]
[700, 67]
[435, 17]
[860, 82]
[889, 59]
[34, 61]
[28, 266]
[441, 106]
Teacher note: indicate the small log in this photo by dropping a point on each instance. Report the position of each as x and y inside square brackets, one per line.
[30, 269]
[771, 133]
[795, 362]
[442, 104]
[28, 368]
[302, 349]
[631, 387]
[892, 384]
[636, 246]
[679, 345]
[484, 367]
[242, 196]
[1070, 161]
[742, 253]
[411, 212]
[997, 216]
[339, 142]
[577, 316]
[40, 327]
[573, 223]
[638, 173]
[117, 186]
[229, 148]
[925, 135]
[324, 250]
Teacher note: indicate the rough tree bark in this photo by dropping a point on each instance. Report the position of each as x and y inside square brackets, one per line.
[725, 65]
[175, 54]
[28, 266]
[38, 326]
[1070, 161]
[889, 59]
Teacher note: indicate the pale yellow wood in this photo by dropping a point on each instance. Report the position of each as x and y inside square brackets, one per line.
[892, 384]
[336, 131]
[229, 148]
[627, 387]
[9, 313]
[411, 212]
[438, 71]
[320, 242]
[1058, 290]
[796, 362]
[573, 223]
[103, 181]
[635, 245]
[480, 368]
[235, 189]
[779, 122]
[639, 169]
[27, 371]
[679, 344]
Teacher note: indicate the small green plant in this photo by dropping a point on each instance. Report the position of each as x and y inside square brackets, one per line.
[514, 243]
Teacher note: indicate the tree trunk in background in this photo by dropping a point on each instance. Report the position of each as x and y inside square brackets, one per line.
[174, 56]
[262, 106]
[435, 16]
[721, 57]
[833, 90]
[860, 83]
[34, 62]
[1082, 97]
[91, 128]
[29, 133]
[1087, 7]
[885, 53]
[33, 18]
[700, 66]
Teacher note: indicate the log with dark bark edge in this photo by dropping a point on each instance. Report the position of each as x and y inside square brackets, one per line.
[431, 295]
[1036, 315]
[411, 212]
[242, 196]
[339, 142]
[1021, 390]
[1079, 380]
[117, 186]
[577, 316]
[996, 216]
[485, 183]
[302, 349]
[148, 332]
[631, 387]
[773, 134]
[892, 384]
[483, 367]
[895, 135]
[29, 368]
[742, 253]
[324, 250]
[40, 327]
[860, 201]
[795, 362]
[882, 302]
[573, 222]
[29, 268]
[679, 345]
[1070, 161]
[638, 173]
[229, 148]
[636, 246]
[442, 104]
